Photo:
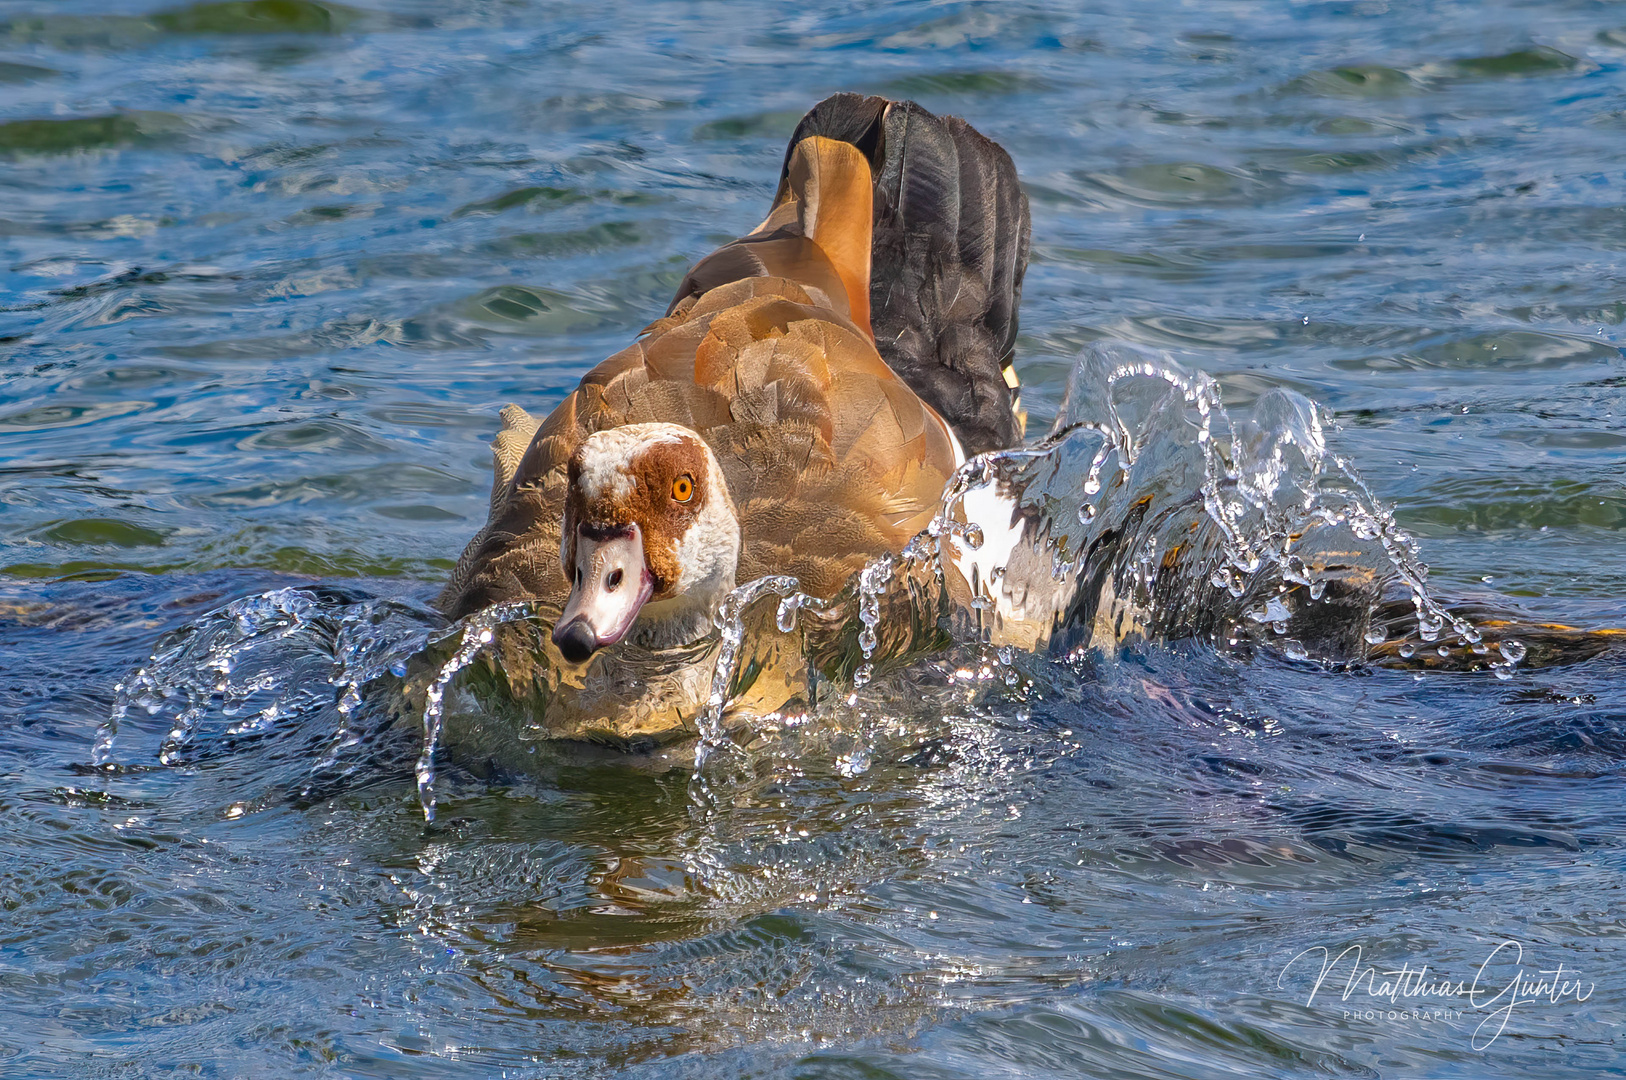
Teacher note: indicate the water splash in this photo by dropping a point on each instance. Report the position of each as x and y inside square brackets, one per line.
[369, 646]
[786, 615]
[256, 664]
[1149, 512]
[478, 631]
[730, 621]
[196, 665]
[872, 583]
[1153, 513]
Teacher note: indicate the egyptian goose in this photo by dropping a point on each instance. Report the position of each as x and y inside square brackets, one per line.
[756, 428]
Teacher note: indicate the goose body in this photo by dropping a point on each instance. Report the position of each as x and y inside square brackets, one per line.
[756, 428]
[826, 455]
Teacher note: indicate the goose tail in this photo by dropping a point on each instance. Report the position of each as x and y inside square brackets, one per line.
[949, 249]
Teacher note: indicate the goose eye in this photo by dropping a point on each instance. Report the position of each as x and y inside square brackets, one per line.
[683, 488]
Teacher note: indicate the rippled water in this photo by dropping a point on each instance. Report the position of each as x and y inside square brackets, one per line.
[268, 271]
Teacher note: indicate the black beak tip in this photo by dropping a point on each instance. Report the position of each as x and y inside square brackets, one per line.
[575, 641]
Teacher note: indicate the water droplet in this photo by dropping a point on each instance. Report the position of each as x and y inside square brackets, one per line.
[1295, 649]
[1376, 635]
[872, 582]
[1273, 612]
[854, 764]
[1407, 651]
[785, 617]
[1511, 650]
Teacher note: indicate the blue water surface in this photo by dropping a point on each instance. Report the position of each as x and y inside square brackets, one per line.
[269, 269]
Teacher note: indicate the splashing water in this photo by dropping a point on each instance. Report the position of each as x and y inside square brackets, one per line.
[182, 668]
[1151, 513]
[257, 663]
[1162, 516]
[478, 631]
[872, 582]
[730, 620]
[1148, 513]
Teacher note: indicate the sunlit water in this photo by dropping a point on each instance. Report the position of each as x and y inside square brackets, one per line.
[269, 270]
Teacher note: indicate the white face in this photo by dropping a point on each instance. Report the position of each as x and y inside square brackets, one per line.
[647, 517]
[608, 458]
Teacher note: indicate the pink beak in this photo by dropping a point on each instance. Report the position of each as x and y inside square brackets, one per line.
[609, 586]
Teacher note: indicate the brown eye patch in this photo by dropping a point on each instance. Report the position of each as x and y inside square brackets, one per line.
[683, 488]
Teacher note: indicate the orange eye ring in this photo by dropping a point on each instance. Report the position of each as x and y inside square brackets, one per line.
[683, 488]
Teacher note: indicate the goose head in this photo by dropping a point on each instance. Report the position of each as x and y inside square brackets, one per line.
[650, 539]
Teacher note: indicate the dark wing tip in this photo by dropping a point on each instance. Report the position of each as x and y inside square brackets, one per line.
[948, 255]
